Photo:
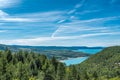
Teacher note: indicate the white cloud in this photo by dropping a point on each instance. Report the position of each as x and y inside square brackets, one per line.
[91, 31]
[9, 19]
[41, 40]
[33, 17]
[61, 21]
[87, 11]
[99, 34]
[35, 41]
[3, 14]
[66, 30]
[8, 3]
[80, 4]
[5, 17]
[98, 19]
[2, 31]
[42, 14]
[90, 22]
[82, 26]
[56, 31]
[71, 11]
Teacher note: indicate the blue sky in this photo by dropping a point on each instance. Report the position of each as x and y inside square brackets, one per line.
[60, 22]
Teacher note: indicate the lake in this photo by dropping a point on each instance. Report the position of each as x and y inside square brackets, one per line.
[89, 51]
[72, 61]
[78, 60]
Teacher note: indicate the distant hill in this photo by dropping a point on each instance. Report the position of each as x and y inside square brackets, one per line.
[104, 65]
[60, 52]
[37, 48]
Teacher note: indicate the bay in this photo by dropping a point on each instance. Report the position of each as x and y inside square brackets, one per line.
[78, 60]
[72, 61]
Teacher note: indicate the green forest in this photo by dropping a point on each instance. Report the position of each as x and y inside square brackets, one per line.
[104, 65]
[24, 65]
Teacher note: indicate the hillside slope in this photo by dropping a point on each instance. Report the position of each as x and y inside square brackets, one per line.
[60, 52]
[104, 65]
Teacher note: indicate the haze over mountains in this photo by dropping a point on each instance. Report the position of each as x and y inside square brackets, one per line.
[17, 47]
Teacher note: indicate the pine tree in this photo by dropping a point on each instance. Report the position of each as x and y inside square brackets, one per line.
[60, 72]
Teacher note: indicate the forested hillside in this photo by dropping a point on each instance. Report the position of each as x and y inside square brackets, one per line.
[24, 65]
[104, 65]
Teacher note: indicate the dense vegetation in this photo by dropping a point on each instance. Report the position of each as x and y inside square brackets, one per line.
[24, 65]
[104, 65]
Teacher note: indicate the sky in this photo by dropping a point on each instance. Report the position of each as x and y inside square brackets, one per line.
[60, 22]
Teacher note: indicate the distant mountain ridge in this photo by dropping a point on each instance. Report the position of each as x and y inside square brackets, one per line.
[34, 48]
[59, 52]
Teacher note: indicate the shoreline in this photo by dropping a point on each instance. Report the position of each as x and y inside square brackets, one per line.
[72, 58]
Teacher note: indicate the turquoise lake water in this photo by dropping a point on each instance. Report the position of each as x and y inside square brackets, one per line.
[72, 61]
[89, 51]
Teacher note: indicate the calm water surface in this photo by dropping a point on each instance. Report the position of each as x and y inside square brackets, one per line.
[78, 60]
[89, 51]
[72, 61]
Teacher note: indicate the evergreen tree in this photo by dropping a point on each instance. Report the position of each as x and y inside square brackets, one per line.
[61, 72]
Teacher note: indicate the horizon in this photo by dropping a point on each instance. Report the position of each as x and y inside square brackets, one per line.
[60, 23]
[58, 46]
